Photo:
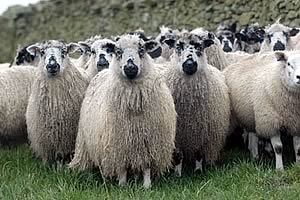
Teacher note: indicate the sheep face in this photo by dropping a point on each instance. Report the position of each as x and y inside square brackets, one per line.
[249, 39]
[53, 56]
[102, 52]
[23, 57]
[278, 35]
[227, 40]
[189, 55]
[292, 68]
[130, 56]
[226, 35]
[167, 40]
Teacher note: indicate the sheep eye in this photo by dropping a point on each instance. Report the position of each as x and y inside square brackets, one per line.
[42, 52]
[141, 52]
[109, 50]
[93, 51]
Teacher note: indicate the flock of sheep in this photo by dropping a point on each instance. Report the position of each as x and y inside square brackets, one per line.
[138, 104]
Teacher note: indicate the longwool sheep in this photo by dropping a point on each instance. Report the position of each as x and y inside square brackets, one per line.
[53, 110]
[15, 88]
[201, 101]
[128, 118]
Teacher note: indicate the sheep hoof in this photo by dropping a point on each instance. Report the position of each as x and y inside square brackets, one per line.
[147, 178]
[147, 185]
[122, 183]
[199, 166]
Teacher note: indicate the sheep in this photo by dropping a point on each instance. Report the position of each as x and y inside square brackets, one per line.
[275, 96]
[254, 85]
[23, 57]
[201, 101]
[226, 36]
[277, 37]
[135, 117]
[166, 39]
[249, 39]
[215, 54]
[52, 113]
[239, 92]
[101, 56]
[85, 52]
[15, 88]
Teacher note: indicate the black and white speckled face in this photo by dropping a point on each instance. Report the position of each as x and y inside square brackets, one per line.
[53, 55]
[227, 39]
[292, 68]
[23, 57]
[102, 51]
[189, 53]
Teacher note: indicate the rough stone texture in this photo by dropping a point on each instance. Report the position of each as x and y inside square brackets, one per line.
[75, 20]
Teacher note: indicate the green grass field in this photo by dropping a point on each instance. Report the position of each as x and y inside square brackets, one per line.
[24, 177]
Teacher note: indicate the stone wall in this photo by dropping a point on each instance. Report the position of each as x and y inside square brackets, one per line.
[75, 20]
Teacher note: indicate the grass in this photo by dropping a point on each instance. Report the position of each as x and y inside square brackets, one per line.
[24, 177]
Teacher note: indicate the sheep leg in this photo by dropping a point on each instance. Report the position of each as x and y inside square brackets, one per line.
[123, 178]
[199, 162]
[147, 178]
[177, 161]
[199, 165]
[245, 136]
[178, 169]
[253, 145]
[277, 146]
[296, 141]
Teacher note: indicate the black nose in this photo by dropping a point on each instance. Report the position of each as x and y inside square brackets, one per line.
[18, 62]
[102, 63]
[189, 66]
[279, 46]
[226, 47]
[52, 67]
[130, 69]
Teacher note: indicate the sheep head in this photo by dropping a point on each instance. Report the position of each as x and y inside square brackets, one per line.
[53, 55]
[189, 55]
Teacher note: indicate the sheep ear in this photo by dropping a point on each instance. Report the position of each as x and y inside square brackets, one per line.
[241, 37]
[85, 47]
[233, 27]
[110, 46]
[153, 48]
[34, 49]
[280, 56]
[293, 32]
[210, 35]
[207, 43]
[73, 47]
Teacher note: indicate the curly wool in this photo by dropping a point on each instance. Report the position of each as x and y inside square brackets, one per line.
[126, 124]
[203, 107]
[53, 113]
[15, 88]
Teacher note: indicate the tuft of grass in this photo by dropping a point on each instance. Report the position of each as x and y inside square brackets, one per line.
[22, 176]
